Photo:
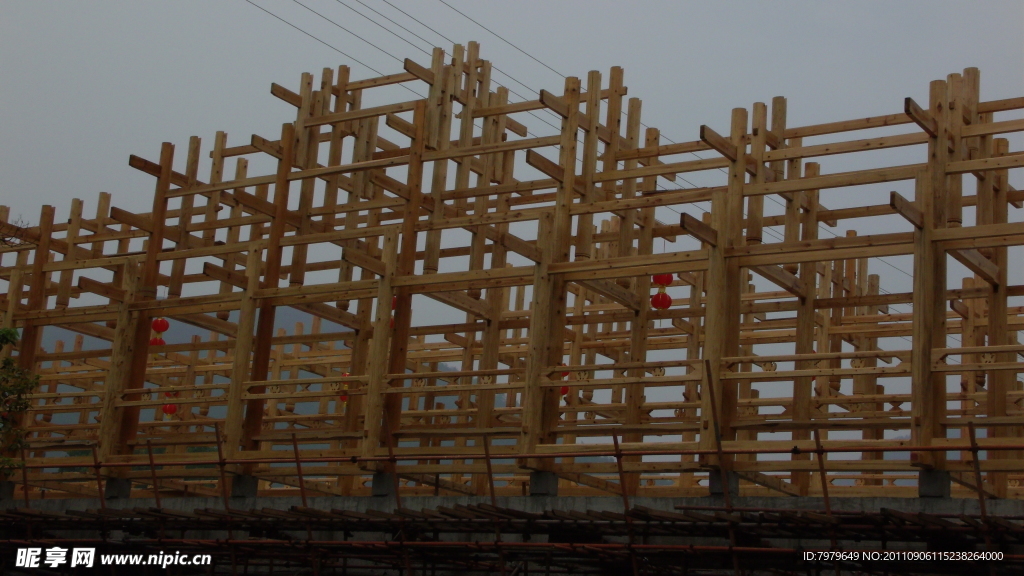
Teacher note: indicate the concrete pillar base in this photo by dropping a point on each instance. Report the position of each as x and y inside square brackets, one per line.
[244, 486]
[715, 483]
[117, 488]
[543, 484]
[383, 485]
[933, 484]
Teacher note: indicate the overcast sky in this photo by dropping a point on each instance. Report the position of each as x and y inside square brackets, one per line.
[85, 84]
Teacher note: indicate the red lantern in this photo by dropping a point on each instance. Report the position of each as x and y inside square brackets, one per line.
[170, 409]
[661, 301]
[158, 341]
[394, 302]
[564, 390]
[160, 325]
[662, 279]
[344, 394]
[171, 394]
[564, 374]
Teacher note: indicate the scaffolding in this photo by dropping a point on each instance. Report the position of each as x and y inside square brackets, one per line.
[475, 306]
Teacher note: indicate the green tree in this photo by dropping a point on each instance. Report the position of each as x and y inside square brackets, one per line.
[15, 383]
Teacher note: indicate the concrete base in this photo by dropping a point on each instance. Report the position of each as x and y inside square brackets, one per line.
[383, 485]
[117, 488]
[244, 486]
[715, 483]
[933, 484]
[543, 484]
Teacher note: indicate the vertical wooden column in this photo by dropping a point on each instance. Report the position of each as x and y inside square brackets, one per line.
[308, 142]
[548, 310]
[928, 388]
[405, 266]
[722, 321]
[150, 276]
[253, 421]
[496, 296]
[378, 349]
[867, 384]
[805, 318]
[535, 398]
[241, 367]
[640, 324]
[122, 351]
[1000, 382]
[32, 333]
[185, 217]
[66, 276]
[447, 83]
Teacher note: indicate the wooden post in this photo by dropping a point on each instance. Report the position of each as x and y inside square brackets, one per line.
[722, 321]
[253, 421]
[928, 388]
[150, 276]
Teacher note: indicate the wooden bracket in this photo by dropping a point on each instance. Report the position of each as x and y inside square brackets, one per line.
[698, 229]
[716, 141]
[978, 264]
[906, 208]
[613, 291]
[960, 308]
[285, 94]
[785, 280]
[419, 71]
[922, 117]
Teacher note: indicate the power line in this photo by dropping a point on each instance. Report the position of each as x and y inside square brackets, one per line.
[339, 51]
[385, 28]
[496, 35]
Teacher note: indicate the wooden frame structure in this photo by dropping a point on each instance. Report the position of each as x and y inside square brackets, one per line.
[460, 273]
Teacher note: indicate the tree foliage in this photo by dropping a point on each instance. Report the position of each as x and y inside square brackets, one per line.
[15, 383]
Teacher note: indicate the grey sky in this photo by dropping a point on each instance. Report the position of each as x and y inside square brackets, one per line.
[86, 84]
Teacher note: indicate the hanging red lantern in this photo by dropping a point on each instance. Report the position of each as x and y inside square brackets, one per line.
[661, 300]
[662, 279]
[344, 394]
[394, 302]
[171, 394]
[564, 390]
[157, 341]
[170, 409]
[564, 374]
[160, 325]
